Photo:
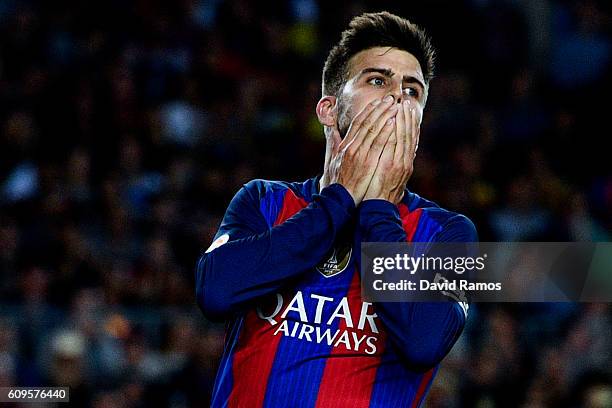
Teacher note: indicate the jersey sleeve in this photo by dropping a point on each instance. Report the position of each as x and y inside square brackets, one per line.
[423, 332]
[249, 259]
[379, 221]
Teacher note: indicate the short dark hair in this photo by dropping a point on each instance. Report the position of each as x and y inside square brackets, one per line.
[370, 30]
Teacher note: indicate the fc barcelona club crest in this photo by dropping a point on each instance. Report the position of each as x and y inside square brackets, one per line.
[335, 261]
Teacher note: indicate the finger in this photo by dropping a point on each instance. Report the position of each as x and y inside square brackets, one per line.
[388, 150]
[417, 124]
[406, 154]
[382, 142]
[370, 133]
[400, 131]
[365, 119]
[381, 155]
[415, 133]
[356, 122]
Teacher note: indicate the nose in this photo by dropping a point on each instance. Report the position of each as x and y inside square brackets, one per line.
[397, 93]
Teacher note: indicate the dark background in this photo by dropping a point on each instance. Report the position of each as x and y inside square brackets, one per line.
[127, 126]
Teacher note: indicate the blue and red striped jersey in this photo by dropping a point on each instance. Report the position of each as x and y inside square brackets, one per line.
[283, 272]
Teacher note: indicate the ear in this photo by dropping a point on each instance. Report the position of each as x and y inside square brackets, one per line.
[327, 111]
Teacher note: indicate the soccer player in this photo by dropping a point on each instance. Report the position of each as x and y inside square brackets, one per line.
[282, 269]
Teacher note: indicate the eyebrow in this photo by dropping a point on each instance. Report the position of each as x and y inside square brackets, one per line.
[388, 73]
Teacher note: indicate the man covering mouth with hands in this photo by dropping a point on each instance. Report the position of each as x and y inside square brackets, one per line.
[283, 271]
[381, 140]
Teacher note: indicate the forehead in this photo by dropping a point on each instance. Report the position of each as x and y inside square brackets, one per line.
[399, 61]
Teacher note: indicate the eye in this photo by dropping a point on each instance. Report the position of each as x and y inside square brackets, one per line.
[412, 91]
[377, 81]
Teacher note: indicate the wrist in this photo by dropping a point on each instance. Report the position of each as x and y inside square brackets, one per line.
[374, 211]
[390, 197]
[377, 204]
[377, 197]
[343, 194]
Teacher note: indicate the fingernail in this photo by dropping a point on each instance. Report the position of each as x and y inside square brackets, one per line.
[388, 98]
[376, 102]
[406, 102]
[390, 120]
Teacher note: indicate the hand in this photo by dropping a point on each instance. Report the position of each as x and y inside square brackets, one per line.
[355, 158]
[397, 160]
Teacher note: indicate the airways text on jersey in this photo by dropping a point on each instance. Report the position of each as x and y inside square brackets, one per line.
[323, 319]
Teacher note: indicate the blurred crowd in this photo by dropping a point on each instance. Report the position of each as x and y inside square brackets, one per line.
[127, 126]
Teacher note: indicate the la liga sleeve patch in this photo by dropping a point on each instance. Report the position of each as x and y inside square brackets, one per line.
[222, 240]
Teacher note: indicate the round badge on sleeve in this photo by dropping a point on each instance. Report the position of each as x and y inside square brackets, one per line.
[335, 261]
